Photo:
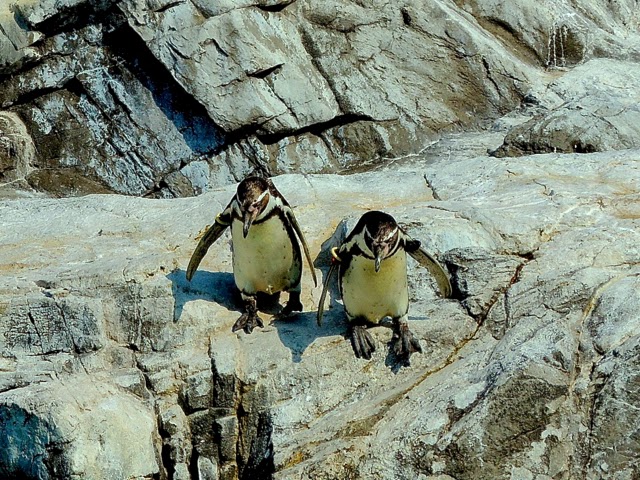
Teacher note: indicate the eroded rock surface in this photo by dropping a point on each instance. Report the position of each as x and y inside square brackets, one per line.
[592, 108]
[173, 98]
[113, 366]
[528, 372]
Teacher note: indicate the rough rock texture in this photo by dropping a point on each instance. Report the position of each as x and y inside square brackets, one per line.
[528, 372]
[562, 33]
[113, 366]
[17, 151]
[77, 427]
[589, 109]
[172, 98]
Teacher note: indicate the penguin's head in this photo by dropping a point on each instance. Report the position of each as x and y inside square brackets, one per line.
[253, 198]
[381, 235]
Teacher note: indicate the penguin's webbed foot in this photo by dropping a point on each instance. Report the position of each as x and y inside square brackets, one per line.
[405, 343]
[293, 305]
[249, 319]
[362, 342]
[247, 322]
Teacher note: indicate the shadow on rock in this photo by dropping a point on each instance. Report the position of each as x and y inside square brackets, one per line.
[393, 361]
[323, 263]
[30, 446]
[216, 287]
[299, 331]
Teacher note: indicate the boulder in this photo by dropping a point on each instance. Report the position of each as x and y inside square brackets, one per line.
[77, 427]
[593, 108]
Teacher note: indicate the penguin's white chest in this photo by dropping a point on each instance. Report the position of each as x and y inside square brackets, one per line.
[264, 261]
[375, 295]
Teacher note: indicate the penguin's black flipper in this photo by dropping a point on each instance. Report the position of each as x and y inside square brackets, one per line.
[425, 259]
[325, 288]
[211, 235]
[291, 217]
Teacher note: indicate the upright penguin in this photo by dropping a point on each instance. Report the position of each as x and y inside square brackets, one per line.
[266, 253]
[372, 265]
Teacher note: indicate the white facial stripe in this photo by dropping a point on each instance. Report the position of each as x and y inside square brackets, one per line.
[271, 203]
[390, 236]
[261, 196]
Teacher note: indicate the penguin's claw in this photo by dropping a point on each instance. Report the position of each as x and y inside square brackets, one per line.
[405, 343]
[247, 322]
[362, 342]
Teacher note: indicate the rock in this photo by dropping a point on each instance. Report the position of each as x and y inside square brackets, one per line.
[171, 99]
[17, 151]
[528, 371]
[105, 128]
[76, 427]
[530, 364]
[143, 98]
[16, 44]
[590, 109]
[561, 34]
[103, 125]
[37, 12]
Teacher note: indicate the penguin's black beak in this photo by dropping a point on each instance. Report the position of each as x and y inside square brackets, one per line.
[247, 220]
[380, 252]
[377, 263]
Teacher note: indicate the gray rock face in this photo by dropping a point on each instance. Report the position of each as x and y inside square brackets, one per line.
[589, 109]
[170, 99]
[77, 427]
[528, 372]
[17, 151]
[114, 366]
[561, 34]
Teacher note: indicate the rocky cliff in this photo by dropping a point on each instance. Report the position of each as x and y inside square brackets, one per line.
[169, 98]
[505, 137]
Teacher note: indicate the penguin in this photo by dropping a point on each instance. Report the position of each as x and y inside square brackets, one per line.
[372, 265]
[266, 253]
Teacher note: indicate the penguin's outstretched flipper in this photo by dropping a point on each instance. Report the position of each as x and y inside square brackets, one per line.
[414, 248]
[294, 223]
[325, 288]
[211, 235]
